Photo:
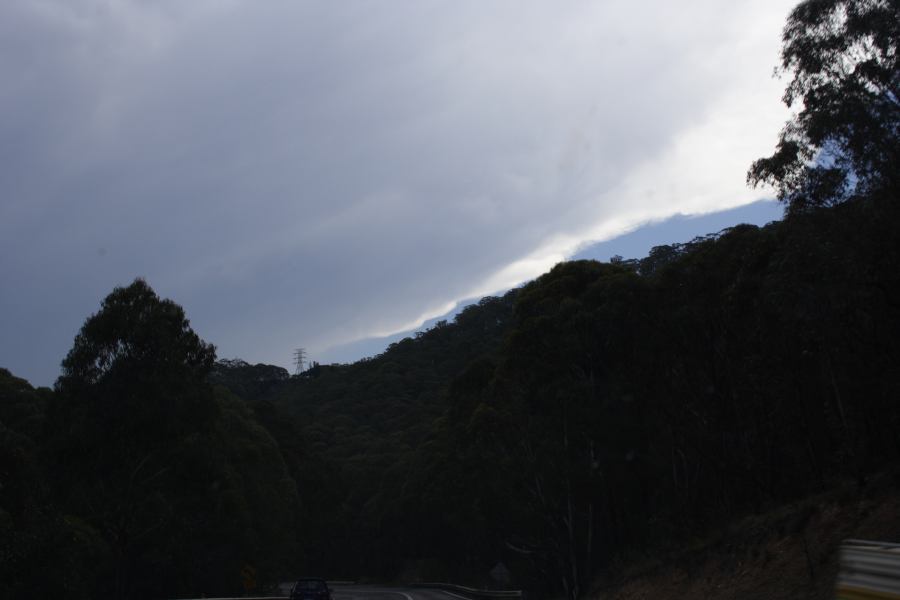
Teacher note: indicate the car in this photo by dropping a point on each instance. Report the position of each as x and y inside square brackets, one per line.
[311, 588]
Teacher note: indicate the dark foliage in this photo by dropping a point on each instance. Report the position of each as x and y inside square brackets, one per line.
[843, 141]
[134, 479]
[626, 410]
[366, 425]
[250, 382]
[601, 410]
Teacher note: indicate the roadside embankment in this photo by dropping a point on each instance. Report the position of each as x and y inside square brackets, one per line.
[789, 553]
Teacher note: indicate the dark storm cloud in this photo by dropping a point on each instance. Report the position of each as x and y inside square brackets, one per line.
[307, 174]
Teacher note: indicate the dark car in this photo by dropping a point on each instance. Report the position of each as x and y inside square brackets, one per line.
[310, 588]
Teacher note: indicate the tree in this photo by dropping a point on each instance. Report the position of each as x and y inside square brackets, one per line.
[138, 372]
[130, 404]
[845, 139]
[136, 334]
[178, 480]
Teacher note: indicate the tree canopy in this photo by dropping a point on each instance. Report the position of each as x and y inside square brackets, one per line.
[136, 333]
[844, 139]
[176, 483]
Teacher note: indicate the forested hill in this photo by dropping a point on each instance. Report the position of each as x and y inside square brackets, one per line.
[602, 411]
[382, 406]
[642, 404]
[367, 421]
[629, 405]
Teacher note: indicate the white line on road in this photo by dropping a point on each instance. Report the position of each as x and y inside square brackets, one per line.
[404, 594]
[454, 595]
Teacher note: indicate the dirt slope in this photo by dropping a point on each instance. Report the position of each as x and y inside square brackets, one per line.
[789, 553]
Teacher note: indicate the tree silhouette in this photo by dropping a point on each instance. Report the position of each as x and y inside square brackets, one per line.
[844, 140]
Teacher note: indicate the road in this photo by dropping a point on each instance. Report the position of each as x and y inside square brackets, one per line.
[363, 592]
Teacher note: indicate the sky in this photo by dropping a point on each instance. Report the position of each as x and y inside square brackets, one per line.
[318, 174]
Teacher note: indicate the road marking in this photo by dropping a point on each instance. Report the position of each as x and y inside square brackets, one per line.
[454, 595]
[404, 594]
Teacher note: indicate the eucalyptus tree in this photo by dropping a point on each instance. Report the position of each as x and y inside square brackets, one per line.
[844, 138]
[180, 480]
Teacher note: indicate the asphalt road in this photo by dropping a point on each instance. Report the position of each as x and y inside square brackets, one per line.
[363, 592]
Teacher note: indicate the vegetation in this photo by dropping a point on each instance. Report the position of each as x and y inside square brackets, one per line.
[845, 66]
[601, 410]
[596, 412]
[630, 410]
[133, 478]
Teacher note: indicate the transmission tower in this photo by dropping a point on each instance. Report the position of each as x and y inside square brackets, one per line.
[299, 360]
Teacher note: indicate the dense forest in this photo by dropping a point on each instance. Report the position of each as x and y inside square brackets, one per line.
[596, 413]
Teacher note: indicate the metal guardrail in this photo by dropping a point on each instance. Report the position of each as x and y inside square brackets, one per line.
[869, 570]
[473, 593]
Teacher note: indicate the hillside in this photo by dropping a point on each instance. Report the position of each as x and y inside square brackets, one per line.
[363, 424]
[664, 398]
[791, 552]
[608, 408]
[600, 415]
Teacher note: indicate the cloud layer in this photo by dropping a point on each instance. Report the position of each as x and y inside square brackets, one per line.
[309, 174]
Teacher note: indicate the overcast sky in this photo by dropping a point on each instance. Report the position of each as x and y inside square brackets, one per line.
[316, 173]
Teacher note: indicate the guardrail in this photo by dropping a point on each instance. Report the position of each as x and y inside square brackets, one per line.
[869, 570]
[473, 593]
